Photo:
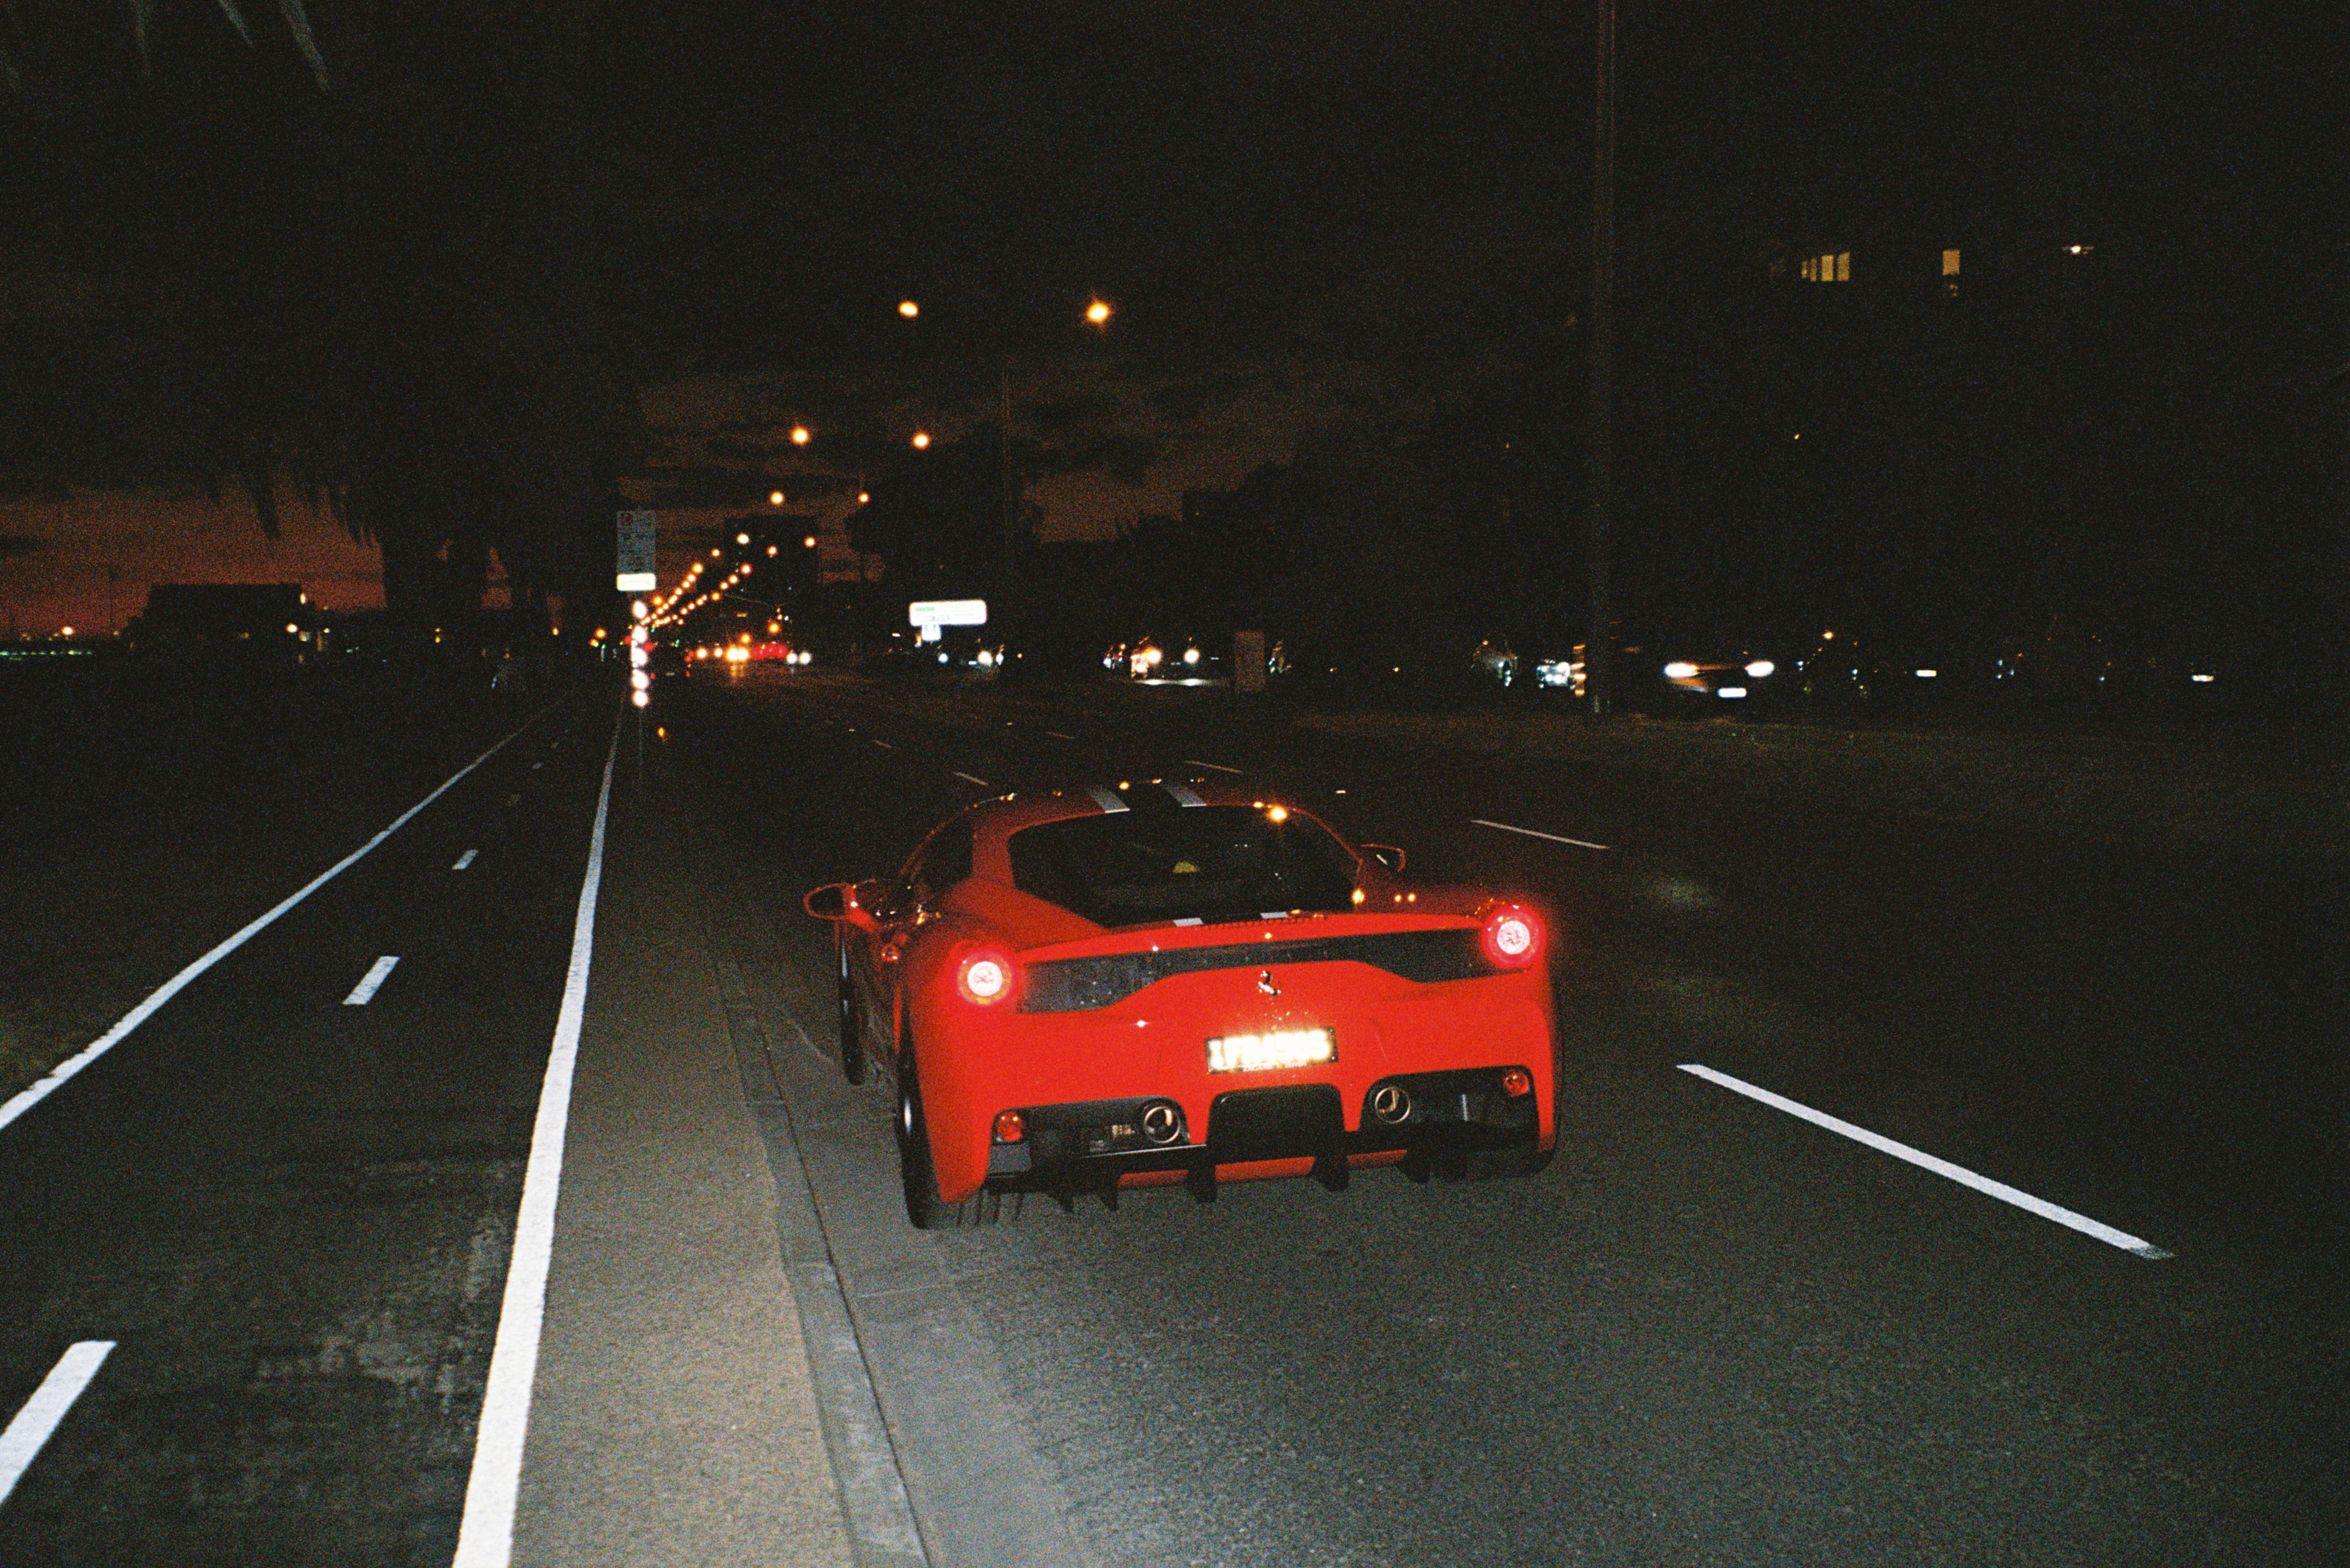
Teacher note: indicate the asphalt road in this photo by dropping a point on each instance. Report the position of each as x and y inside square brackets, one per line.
[287, 1198]
[1712, 1332]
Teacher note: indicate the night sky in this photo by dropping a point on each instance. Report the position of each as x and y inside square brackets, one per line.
[1308, 215]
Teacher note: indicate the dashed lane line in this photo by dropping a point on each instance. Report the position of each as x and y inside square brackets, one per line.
[372, 981]
[1058, 736]
[973, 778]
[1924, 1161]
[464, 860]
[485, 1534]
[21, 1443]
[1533, 833]
[34, 1093]
[885, 745]
[1194, 762]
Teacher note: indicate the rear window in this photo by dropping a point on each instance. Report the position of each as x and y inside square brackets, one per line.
[1204, 863]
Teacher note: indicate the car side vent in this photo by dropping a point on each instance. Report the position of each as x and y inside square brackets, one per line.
[1077, 985]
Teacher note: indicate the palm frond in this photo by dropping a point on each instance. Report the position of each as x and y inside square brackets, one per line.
[298, 22]
[143, 15]
[236, 20]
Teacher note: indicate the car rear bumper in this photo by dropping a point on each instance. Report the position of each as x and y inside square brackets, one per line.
[1439, 1125]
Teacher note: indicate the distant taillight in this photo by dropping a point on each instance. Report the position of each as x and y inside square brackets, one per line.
[987, 976]
[1513, 937]
[1517, 1083]
[1010, 1127]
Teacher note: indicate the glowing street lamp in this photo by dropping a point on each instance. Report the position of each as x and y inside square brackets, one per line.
[909, 309]
[775, 498]
[921, 441]
[799, 435]
[1099, 312]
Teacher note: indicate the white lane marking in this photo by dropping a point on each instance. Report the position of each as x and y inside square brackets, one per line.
[1058, 736]
[1924, 1161]
[34, 1093]
[464, 860]
[365, 991]
[1220, 767]
[1107, 800]
[1531, 832]
[885, 745]
[21, 1443]
[536, 766]
[485, 1536]
[975, 779]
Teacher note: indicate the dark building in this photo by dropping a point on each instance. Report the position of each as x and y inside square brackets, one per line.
[262, 621]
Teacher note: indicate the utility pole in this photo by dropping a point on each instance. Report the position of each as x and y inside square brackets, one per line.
[1597, 676]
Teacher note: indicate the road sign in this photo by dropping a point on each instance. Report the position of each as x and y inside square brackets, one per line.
[636, 555]
[947, 612]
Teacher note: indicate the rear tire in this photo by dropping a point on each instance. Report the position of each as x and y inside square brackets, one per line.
[854, 1065]
[919, 1174]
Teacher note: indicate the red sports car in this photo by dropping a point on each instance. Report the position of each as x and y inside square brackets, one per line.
[1155, 983]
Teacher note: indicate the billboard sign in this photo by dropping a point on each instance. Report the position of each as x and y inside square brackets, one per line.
[947, 612]
[635, 554]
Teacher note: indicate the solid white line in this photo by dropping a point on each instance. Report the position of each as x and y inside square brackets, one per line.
[1058, 736]
[34, 1094]
[365, 991]
[1530, 832]
[464, 860]
[1924, 1161]
[21, 1443]
[485, 1536]
[975, 779]
[1218, 767]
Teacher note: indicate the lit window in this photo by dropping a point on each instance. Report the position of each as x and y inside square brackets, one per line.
[1834, 268]
[1949, 264]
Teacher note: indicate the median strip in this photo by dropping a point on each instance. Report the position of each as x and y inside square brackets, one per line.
[1536, 833]
[21, 1443]
[1924, 1161]
[370, 983]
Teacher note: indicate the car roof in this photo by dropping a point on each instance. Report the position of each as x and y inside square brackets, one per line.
[994, 822]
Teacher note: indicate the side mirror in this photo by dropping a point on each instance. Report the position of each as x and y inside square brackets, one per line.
[1387, 854]
[837, 901]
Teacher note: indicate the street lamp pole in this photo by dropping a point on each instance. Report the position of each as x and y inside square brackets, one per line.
[1597, 675]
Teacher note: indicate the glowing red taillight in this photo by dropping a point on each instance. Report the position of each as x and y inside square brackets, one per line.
[1010, 1127]
[1513, 937]
[1517, 1083]
[986, 977]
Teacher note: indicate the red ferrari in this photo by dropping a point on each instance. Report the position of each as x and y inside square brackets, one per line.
[1157, 984]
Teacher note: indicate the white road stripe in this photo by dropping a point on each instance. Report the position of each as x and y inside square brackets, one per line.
[1924, 1161]
[365, 991]
[464, 860]
[34, 1093]
[975, 779]
[21, 1443]
[885, 745]
[485, 1537]
[1220, 767]
[1058, 736]
[1531, 832]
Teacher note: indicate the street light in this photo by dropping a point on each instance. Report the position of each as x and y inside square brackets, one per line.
[921, 441]
[1098, 312]
[775, 498]
[799, 435]
[909, 309]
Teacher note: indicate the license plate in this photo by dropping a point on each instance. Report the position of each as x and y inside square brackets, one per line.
[1271, 1051]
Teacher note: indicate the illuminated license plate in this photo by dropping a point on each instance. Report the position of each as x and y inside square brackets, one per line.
[1271, 1051]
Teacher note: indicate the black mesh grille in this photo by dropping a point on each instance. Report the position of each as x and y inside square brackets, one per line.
[1076, 985]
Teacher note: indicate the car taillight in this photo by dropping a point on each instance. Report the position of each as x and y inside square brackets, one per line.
[1010, 1127]
[1513, 937]
[1517, 1083]
[987, 976]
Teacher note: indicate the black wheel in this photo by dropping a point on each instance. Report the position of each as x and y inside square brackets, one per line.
[854, 1065]
[923, 1206]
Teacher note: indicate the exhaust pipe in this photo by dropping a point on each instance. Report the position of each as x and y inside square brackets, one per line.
[1162, 1122]
[1391, 1103]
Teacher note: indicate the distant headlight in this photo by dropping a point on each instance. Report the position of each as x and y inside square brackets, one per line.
[1679, 669]
[1761, 668]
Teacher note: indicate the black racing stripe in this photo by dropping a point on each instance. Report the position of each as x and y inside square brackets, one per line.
[1079, 985]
